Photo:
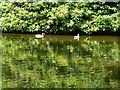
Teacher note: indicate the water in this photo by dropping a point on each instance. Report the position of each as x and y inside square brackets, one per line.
[60, 61]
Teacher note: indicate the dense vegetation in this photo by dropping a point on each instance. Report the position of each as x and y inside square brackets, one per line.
[68, 17]
[35, 63]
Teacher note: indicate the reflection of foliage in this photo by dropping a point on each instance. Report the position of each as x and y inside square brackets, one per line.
[38, 63]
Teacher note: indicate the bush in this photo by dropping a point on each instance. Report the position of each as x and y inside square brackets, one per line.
[87, 17]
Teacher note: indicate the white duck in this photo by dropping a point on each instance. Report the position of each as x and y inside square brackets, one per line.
[40, 35]
[77, 37]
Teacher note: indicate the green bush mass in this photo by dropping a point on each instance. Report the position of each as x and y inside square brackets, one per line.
[51, 17]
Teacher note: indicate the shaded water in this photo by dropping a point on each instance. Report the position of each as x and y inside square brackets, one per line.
[60, 62]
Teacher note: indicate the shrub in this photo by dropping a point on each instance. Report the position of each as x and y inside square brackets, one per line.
[87, 17]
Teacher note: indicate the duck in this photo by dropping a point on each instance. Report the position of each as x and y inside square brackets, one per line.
[40, 35]
[77, 37]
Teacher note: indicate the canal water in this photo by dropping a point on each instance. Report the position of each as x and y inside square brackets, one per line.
[60, 61]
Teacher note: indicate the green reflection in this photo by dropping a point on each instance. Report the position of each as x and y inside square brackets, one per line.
[59, 62]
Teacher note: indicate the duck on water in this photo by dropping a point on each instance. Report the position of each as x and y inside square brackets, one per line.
[43, 35]
[77, 37]
[40, 35]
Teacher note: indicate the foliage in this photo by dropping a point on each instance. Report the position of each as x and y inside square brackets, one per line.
[35, 63]
[60, 16]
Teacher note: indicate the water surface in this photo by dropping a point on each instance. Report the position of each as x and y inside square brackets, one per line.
[60, 61]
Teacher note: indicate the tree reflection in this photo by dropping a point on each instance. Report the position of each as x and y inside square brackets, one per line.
[29, 62]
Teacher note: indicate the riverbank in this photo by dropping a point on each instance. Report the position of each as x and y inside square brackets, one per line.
[106, 33]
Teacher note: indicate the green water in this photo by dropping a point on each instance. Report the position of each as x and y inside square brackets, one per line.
[60, 61]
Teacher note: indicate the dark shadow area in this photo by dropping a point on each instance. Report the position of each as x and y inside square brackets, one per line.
[114, 77]
[98, 33]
